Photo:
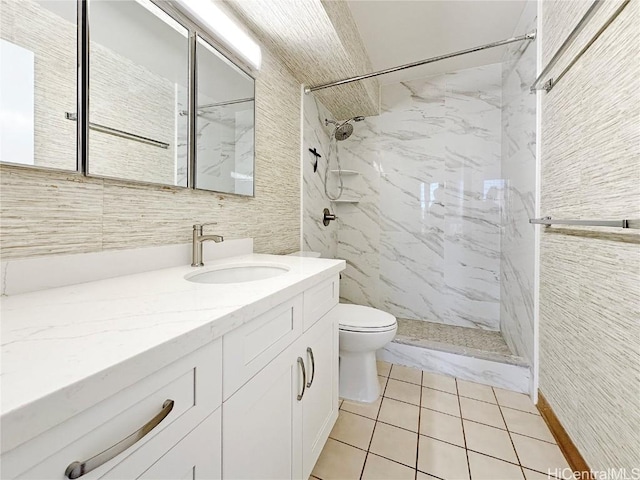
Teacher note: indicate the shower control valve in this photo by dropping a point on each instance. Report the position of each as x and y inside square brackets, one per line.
[328, 216]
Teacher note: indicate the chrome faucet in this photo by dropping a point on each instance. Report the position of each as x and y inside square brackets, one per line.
[198, 238]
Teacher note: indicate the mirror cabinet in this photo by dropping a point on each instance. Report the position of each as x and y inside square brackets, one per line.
[162, 103]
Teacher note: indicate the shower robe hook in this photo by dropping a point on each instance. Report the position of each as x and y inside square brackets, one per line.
[317, 155]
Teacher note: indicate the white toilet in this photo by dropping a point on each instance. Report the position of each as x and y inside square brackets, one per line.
[363, 330]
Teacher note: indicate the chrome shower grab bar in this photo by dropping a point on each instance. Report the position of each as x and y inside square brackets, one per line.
[551, 82]
[119, 133]
[548, 221]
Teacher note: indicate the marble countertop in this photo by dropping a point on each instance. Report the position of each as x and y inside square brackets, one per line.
[71, 346]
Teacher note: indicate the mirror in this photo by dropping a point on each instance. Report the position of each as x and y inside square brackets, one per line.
[138, 82]
[139, 102]
[224, 124]
[38, 72]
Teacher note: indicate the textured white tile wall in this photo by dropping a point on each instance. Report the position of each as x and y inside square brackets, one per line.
[559, 19]
[590, 277]
[44, 213]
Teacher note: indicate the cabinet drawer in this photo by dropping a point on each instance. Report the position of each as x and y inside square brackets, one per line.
[198, 456]
[198, 376]
[319, 300]
[248, 349]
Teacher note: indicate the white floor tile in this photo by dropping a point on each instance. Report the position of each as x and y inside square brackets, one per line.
[481, 412]
[403, 391]
[395, 444]
[442, 459]
[339, 461]
[519, 401]
[406, 374]
[440, 401]
[399, 414]
[539, 455]
[441, 426]
[476, 391]
[439, 382]
[488, 468]
[378, 468]
[369, 410]
[489, 440]
[527, 424]
[353, 429]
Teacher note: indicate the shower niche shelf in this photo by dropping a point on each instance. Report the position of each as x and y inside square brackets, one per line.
[346, 200]
[345, 172]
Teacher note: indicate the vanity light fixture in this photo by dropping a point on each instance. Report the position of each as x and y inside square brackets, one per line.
[159, 13]
[226, 29]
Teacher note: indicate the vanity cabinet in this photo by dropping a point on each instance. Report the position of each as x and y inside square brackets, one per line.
[282, 417]
[320, 400]
[260, 421]
[258, 403]
[168, 406]
[276, 425]
[195, 457]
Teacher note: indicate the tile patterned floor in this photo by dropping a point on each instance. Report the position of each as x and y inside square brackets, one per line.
[428, 427]
[474, 342]
[465, 337]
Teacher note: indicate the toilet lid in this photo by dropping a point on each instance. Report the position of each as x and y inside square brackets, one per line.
[361, 318]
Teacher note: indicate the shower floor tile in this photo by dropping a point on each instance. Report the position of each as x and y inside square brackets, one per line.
[473, 342]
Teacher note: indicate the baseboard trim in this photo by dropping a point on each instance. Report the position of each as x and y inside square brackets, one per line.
[574, 458]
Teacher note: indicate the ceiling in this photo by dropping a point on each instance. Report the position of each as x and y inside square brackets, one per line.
[395, 32]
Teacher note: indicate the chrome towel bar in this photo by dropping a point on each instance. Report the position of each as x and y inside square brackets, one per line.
[548, 221]
[120, 133]
[590, 13]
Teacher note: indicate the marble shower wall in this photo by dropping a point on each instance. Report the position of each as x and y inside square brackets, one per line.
[316, 237]
[518, 163]
[423, 242]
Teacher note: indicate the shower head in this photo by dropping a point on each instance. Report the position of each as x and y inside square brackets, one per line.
[343, 130]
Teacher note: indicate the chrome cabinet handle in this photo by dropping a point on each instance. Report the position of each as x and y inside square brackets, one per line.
[78, 469]
[304, 378]
[313, 366]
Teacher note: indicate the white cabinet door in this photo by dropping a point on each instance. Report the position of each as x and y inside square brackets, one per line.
[320, 402]
[261, 424]
[196, 457]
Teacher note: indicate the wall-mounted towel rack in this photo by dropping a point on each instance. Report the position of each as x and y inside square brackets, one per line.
[551, 82]
[548, 221]
[119, 133]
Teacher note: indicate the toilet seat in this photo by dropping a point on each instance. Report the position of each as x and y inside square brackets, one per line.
[358, 318]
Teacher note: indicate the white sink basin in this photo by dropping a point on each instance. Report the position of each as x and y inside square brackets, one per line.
[237, 274]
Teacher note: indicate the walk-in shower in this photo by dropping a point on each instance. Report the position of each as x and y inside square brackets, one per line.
[341, 131]
[433, 223]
